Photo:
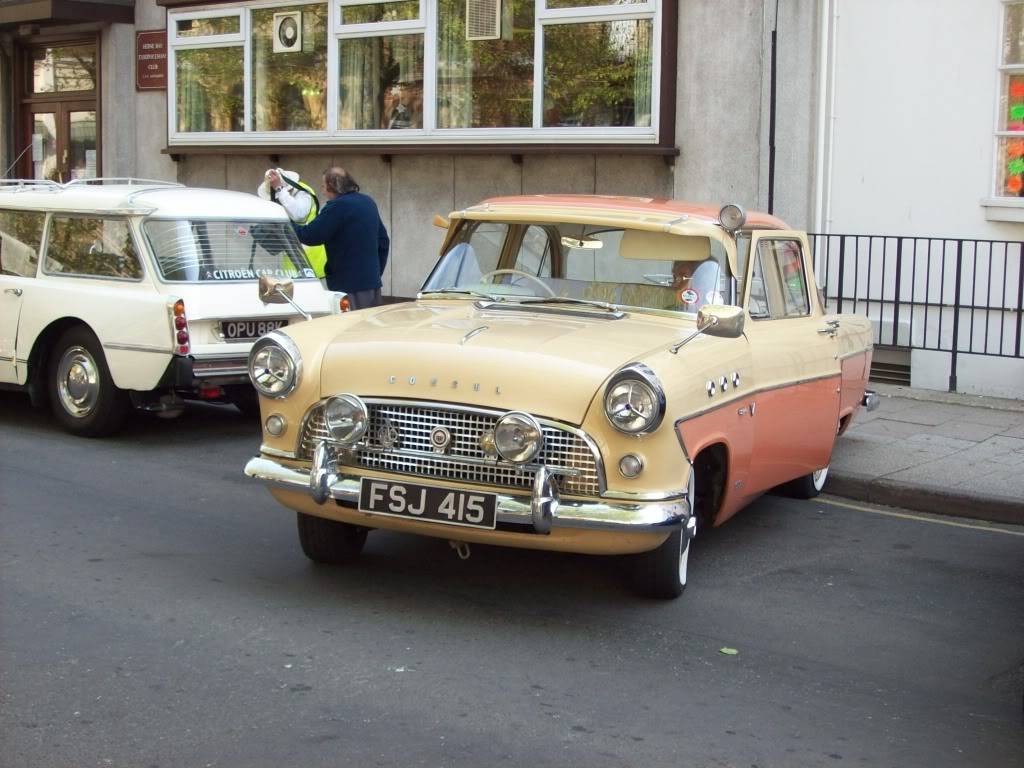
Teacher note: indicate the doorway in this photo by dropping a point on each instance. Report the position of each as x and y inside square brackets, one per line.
[60, 120]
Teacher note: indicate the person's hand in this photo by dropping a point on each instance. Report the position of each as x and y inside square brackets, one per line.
[274, 179]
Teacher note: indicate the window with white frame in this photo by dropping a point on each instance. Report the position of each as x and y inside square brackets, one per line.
[376, 71]
[1010, 127]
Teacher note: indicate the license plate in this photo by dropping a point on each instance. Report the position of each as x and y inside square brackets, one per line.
[249, 329]
[421, 502]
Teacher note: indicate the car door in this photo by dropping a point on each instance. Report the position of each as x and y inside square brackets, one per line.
[795, 362]
[20, 235]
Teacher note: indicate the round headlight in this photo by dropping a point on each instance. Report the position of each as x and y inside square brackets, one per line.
[518, 437]
[274, 365]
[347, 418]
[634, 402]
[732, 217]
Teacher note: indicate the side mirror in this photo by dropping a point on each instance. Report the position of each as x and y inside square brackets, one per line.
[721, 320]
[440, 221]
[274, 291]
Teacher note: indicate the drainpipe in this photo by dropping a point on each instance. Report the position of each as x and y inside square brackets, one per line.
[771, 111]
[827, 67]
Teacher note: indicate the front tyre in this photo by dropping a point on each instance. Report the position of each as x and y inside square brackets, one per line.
[82, 393]
[330, 542]
[661, 573]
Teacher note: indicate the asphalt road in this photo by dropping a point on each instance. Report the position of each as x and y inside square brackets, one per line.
[155, 610]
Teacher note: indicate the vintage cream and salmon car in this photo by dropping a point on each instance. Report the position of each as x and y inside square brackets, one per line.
[583, 374]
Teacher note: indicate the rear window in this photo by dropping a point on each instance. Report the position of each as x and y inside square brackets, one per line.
[220, 251]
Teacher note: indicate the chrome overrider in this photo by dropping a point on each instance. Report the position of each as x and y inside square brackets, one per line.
[544, 509]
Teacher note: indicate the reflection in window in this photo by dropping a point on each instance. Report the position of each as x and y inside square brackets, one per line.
[381, 82]
[20, 235]
[209, 85]
[64, 68]
[598, 73]
[82, 145]
[290, 88]
[1010, 149]
[44, 132]
[485, 83]
[375, 13]
[217, 25]
[80, 245]
[782, 267]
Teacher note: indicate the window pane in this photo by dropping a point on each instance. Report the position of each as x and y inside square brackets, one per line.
[378, 12]
[20, 233]
[88, 246]
[1010, 154]
[381, 82]
[219, 25]
[210, 89]
[290, 88]
[196, 250]
[485, 83]
[598, 74]
[82, 145]
[44, 125]
[68, 68]
[474, 252]
[1011, 103]
[534, 255]
[588, 3]
[785, 281]
[1013, 34]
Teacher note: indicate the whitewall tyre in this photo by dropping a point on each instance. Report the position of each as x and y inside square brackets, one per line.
[662, 572]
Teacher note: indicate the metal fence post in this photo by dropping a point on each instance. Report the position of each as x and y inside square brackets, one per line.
[956, 316]
[896, 298]
[842, 260]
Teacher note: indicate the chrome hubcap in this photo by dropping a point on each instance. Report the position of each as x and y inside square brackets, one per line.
[818, 478]
[78, 382]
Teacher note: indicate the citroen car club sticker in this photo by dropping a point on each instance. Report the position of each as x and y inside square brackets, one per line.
[689, 296]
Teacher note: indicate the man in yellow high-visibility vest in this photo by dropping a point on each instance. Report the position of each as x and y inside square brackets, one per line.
[301, 203]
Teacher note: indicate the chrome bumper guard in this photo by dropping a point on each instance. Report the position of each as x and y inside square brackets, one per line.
[543, 509]
[871, 400]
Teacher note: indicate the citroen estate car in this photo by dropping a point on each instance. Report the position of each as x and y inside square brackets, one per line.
[120, 293]
[588, 374]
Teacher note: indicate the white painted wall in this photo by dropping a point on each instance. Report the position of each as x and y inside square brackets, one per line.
[916, 85]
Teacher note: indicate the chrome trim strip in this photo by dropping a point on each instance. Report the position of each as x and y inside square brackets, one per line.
[266, 450]
[656, 516]
[602, 482]
[675, 493]
[748, 393]
[473, 333]
[139, 348]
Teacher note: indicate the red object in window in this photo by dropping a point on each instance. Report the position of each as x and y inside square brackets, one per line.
[1017, 90]
[1014, 184]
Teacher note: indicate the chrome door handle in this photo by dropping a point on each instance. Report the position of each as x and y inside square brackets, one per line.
[831, 327]
[13, 291]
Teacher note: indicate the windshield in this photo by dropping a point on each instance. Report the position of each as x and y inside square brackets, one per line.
[624, 267]
[218, 251]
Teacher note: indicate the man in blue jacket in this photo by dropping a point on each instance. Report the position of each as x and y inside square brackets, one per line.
[357, 243]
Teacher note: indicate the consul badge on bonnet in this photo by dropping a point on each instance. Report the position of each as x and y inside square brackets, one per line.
[436, 382]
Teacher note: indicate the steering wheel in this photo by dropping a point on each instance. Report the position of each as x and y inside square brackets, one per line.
[520, 273]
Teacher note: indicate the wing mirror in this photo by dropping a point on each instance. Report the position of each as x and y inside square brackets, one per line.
[715, 320]
[274, 291]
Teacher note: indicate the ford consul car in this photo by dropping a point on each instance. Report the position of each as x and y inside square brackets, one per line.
[583, 374]
[119, 292]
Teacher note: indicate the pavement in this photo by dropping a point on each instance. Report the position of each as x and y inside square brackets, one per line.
[937, 452]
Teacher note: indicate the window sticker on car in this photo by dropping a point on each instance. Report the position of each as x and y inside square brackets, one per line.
[689, 296]
[308, 272]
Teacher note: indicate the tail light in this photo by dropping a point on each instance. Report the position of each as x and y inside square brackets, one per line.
[180, 322]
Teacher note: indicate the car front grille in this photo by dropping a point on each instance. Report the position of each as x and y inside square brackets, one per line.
[565, 452]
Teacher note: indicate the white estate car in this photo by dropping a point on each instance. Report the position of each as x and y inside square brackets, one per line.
[121, 292]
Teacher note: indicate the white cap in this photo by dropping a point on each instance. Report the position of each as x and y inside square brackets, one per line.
[263, 191]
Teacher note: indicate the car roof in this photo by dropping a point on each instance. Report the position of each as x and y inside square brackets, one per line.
[133, 197]
[642, 208]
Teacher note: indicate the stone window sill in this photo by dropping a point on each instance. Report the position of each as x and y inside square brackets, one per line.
[1004, 209]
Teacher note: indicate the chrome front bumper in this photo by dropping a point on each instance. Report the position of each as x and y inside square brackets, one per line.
[542, 510]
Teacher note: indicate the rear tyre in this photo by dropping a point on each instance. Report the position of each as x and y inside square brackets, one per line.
[808, 486]
[661, 573]
[82, 393]
[328, 541]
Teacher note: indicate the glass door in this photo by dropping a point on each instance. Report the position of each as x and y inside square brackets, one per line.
[61, 121]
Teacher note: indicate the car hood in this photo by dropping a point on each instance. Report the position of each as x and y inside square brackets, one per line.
[548, 364]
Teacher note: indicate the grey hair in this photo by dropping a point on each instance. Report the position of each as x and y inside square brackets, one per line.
[339, 181]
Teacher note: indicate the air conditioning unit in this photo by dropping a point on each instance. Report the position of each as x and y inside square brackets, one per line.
[288, 32]
[483, 19]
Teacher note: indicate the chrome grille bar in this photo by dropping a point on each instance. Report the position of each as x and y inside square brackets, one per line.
[465, 461]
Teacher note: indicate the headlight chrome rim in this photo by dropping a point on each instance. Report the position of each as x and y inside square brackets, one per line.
[261, 382]
[530, 448]
[645, 378]
[358, 418]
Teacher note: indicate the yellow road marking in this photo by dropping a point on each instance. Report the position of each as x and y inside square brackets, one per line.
[991, 528]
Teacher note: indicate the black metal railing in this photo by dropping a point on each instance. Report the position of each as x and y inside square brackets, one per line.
[931, 293]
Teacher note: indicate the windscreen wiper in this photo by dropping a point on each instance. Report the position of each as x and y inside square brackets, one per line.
[462, 292]
[569, 300]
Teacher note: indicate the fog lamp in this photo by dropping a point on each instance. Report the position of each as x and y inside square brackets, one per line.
[631, 465]
[518, 437]
[732, 217]
[347, 418]
[276, 425]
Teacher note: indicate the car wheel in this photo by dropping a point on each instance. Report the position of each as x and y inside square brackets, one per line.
[808, 486]
[82, 393]
[661, 572]
[328, 541]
